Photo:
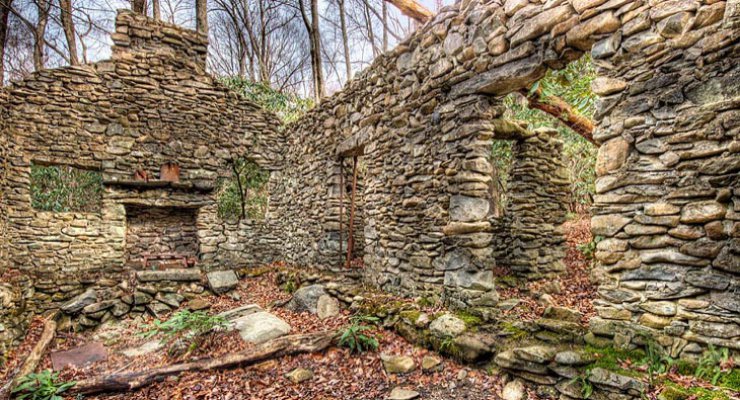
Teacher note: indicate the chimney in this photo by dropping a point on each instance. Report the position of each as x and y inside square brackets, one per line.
[138, 36]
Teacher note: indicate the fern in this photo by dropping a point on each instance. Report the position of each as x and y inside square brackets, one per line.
[356, 338]
[186, 327]
[42, 386]
[711, 363]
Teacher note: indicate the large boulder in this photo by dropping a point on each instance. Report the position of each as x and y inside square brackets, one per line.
[306, 299]
[447, 325]
[260, 327]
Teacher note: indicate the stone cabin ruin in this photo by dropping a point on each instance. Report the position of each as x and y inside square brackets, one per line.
[422, 120]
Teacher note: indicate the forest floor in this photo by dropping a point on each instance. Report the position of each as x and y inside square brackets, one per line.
[337, 373]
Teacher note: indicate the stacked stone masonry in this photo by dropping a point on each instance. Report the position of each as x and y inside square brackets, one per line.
[422, 118]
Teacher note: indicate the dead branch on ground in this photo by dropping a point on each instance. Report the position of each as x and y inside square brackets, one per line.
[287, 345]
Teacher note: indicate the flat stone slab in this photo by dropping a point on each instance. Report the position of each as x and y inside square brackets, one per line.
[222, 281]
[146, 348]
[79, 356]
[236, 313]
[179, 275]
[260, 327]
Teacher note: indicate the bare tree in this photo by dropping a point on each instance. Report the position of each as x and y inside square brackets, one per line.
[345, 38]
[201, 16]
[138, 6]
[65, 8]
[314, 38]
[43, 7]
[5, 6]
[156, 10]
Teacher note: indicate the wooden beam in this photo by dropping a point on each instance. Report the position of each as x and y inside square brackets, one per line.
[412, 9]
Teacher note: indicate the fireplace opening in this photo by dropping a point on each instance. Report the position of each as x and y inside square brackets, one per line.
[161, 237]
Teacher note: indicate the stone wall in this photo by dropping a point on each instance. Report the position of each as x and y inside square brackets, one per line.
[151, 104]
[423, 116]
[667, 205]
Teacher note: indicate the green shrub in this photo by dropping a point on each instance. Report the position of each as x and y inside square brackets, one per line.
[42, 386]
[65, 189]
[246, 187]
[286, 106]
[186, 328]
[711, 364]
[589, 249]
[356, 336]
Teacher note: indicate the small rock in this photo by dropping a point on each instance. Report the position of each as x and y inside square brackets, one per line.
[402, 394]
[397, 364]
[513, 390]
[221, 282]
[299, 375]
[508, 304]
[430, 363]
[327, 307]
[447, 325]
[198, 304]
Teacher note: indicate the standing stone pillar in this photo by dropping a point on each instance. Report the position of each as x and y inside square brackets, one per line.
[468, 259]
[537, 206]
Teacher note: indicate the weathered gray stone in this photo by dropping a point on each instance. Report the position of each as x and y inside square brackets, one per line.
[221, 282]
[397, 364]
[306, 299]
[78, 303]
[260, 327]
[447, 325]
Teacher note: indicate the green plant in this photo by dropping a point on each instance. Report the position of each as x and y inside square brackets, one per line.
[62, 188]
[589, 249]
[42, 386]
[286, 106]
[587, 388]
[245, 193]
[356, 336]
[712, 363]
[656, 360]
[185, 327]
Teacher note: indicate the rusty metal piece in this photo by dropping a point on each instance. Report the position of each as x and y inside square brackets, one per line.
[170, 172]
[350, 232]
[187, 261]
[341, 208]
[141, 175]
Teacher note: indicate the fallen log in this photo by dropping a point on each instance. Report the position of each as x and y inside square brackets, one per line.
[413, 9]
[287, 345]
[563, 111]
[34, 357]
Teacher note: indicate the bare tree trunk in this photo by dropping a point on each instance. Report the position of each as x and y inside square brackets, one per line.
[314, 38]
[385, 27]
[201, 16]
[38, 46]
[345, 39]
[156, 10]
[4, 15]
[369, 26]
[316, 34]
[139, 6]
[68, 25]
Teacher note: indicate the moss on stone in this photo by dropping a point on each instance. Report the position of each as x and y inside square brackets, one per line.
[410, 315]
[610, 358]
[731, 380]
[516, 333]
[470, 319]
[673, 391]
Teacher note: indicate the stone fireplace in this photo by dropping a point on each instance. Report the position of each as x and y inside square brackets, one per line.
[163, 235]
